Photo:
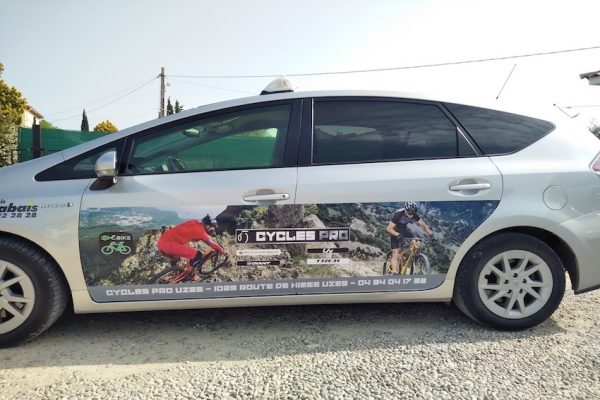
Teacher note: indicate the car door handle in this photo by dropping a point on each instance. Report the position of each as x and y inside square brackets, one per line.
[267, 197]
[470, 186]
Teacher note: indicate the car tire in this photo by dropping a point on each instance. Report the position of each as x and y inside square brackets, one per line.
[510, 281]
[33, 292]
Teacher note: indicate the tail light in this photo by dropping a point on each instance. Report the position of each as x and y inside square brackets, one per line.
[596, 165]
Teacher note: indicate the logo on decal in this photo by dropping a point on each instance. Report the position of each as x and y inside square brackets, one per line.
[257, 263]
[116, 243]
[18, 210]
[258, 236]
[320, 261]
[57, 205]
[328, 250]
[258, 252]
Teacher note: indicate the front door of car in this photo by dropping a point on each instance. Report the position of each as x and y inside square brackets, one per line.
[140, 236]
[363, 160]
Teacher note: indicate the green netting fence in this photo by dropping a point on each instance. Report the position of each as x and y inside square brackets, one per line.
[53, 140]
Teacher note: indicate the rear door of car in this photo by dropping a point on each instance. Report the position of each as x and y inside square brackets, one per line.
[230, 164]
[361, 159]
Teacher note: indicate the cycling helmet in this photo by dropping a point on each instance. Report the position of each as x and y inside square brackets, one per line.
[411, 207]
[209, 221]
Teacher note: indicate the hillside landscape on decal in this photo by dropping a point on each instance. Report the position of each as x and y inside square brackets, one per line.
[451, 223]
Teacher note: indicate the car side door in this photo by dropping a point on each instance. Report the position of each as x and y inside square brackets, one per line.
[361, 160]
[225, 165]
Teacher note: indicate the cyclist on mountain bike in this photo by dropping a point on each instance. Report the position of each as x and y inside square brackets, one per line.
[173, 242]
[397, 228]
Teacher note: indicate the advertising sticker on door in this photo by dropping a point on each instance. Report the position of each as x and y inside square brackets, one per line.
[158, 254]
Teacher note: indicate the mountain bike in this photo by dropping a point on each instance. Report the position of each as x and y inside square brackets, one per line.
[213, 260]
[412, 260]
[116, 246]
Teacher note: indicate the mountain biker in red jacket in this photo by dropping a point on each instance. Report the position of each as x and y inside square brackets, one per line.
[173, 242]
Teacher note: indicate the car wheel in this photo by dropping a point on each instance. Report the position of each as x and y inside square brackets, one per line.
[33, 293]
[510, 281]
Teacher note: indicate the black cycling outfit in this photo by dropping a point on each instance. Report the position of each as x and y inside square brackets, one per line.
[401, 220]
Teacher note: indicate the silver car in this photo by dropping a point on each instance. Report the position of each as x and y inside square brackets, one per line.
[305, 198]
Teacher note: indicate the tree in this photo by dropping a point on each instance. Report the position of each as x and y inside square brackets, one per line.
[105, 126]
[178, 107]
[47, 125]
[12, 107]
[169, 107]
[85, 126]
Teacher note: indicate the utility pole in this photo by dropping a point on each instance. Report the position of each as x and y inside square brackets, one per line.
[161, 108]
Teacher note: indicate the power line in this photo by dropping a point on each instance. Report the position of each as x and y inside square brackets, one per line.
[392, 68]
[584, 106]
[132, 115]
[211, 86]
[112, 101]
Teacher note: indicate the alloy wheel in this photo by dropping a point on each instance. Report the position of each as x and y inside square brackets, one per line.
[515, 284]
[17, 296]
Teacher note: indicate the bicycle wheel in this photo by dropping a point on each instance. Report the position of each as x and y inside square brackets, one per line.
[165, 276]
[107, 250]
[211, 264]
[387, 264]
[420, 265]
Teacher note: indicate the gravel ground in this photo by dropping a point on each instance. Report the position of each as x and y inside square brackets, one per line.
[400, 351]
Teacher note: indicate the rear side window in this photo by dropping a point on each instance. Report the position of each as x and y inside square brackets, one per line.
[352, 131]
[497, 132]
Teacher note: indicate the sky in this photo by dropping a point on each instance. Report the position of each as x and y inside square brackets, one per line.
[105, 56]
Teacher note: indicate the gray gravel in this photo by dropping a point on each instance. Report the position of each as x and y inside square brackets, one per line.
[399, 351]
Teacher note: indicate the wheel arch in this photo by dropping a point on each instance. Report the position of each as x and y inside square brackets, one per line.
[558, 245]
[4, 234]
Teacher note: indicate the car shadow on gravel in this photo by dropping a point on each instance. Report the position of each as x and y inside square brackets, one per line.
[250, 333]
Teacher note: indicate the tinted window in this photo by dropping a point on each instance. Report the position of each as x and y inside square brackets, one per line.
[80, 167]
[362, 131]
[252, 138]
[497, 132]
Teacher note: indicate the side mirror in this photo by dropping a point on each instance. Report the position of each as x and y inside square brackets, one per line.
[106, 171]
[106, 165]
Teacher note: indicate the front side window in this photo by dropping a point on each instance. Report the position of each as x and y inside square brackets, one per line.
[251, 138]
[80, 167]
[364, 131]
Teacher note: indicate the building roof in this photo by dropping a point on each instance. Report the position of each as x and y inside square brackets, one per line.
[34, 112]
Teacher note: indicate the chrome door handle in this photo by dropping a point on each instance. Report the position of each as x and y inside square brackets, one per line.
[470, 186]
[267, 197]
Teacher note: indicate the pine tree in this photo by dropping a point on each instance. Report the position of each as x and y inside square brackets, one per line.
[169, 107]
[85, 127]
[178, 107]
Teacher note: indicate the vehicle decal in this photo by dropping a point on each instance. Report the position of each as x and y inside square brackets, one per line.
[116, 243]
[12, 210]
[155, 254]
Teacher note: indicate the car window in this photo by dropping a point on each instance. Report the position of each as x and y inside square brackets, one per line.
[80, 167]
[497, 132]
[251, 138]
[363, 131]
